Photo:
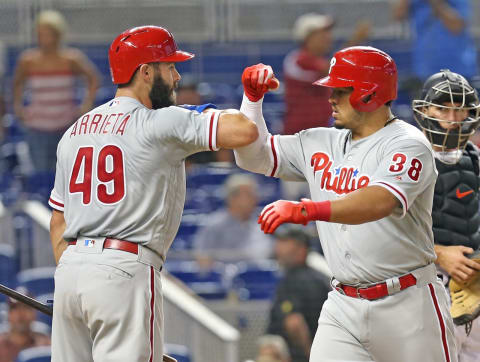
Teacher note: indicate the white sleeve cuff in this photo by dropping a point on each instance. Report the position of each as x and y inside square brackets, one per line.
[56, 203]
[212, 131]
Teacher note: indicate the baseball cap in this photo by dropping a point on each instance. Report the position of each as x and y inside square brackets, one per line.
[308, 23]
[293, 231]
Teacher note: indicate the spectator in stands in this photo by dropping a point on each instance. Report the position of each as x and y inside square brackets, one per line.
[20, 334]
[232, 234]
[300, 294]
[50, 72]
[441, 29]
[307, 105]
[272, 348]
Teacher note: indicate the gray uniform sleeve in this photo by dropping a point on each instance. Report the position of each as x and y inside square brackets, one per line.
[406, 170]
[57, 196]
[288, 157]
[274, 156]
[185, 132]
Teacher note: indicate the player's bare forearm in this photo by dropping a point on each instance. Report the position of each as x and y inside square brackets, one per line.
[57, 228]
[235, 130]
[363, 205]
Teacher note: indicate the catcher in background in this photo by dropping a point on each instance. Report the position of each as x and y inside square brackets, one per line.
[448, 113]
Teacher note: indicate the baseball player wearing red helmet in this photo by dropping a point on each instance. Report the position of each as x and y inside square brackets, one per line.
[371, 180]
[118, 198]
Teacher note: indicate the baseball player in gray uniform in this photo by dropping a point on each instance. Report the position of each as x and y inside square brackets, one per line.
[118, 198]
[371, 180]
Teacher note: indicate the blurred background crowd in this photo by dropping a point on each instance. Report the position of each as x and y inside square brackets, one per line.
[54, 67]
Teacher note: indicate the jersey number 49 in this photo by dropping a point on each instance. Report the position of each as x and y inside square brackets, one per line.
[102, 173]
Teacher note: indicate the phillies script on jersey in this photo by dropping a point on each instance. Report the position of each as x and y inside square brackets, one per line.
[340, 180]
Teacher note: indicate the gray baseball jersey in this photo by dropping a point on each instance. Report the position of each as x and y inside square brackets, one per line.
[397, 157]
[120, 171]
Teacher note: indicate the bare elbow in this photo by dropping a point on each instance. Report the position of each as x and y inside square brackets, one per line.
[249, 131]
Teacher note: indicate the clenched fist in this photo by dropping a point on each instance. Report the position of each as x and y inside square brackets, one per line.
[279, 212]
[258, 80]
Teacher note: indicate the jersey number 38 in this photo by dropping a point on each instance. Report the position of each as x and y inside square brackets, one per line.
[104, 170]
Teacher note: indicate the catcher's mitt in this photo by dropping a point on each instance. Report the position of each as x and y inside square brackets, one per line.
[466, 299]
[167, 358]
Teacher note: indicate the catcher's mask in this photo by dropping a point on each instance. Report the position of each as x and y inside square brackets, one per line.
[449, 92]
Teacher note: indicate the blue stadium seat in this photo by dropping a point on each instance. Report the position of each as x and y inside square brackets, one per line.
[209, 175]
[8, 265]
[184, 238]
[208, 284]
[35, 354]
[41, 184]
[38, 281]
[256, 280]
[178, 351]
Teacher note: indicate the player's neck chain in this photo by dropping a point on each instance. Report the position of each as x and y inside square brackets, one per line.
[393, 118]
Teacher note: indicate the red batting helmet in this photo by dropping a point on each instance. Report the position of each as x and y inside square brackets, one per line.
[371, 72]
[141, 45]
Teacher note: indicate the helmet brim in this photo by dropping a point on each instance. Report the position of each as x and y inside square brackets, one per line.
[332, 82]
[178, 56]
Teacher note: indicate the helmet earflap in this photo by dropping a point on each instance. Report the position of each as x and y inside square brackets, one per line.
[364, 101]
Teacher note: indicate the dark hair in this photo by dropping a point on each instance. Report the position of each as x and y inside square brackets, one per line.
[132, 78]
[294, 232]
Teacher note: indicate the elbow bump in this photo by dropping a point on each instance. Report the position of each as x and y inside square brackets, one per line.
[252, 132]
[249, 132]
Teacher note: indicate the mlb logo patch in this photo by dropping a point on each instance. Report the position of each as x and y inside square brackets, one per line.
[89, 243]
[114, 103]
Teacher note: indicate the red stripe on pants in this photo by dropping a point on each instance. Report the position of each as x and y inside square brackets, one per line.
[152, 310]
[441, 322]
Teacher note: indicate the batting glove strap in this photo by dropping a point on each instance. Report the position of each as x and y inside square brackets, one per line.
[317, 211]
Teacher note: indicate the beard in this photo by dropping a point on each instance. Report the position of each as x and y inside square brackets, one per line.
[161, 95]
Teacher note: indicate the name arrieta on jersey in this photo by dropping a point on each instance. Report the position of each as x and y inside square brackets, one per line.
[112, 123]
[340, 180]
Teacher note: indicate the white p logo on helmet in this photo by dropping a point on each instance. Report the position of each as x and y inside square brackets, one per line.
[332, 63]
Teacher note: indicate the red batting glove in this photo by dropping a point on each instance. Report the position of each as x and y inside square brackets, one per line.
[279, 212]
[258, 80]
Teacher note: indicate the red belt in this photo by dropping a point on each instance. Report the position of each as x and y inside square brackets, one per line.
[116, 244]
[376, 291]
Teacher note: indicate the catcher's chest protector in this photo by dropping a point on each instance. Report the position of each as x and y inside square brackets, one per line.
[455, 213]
